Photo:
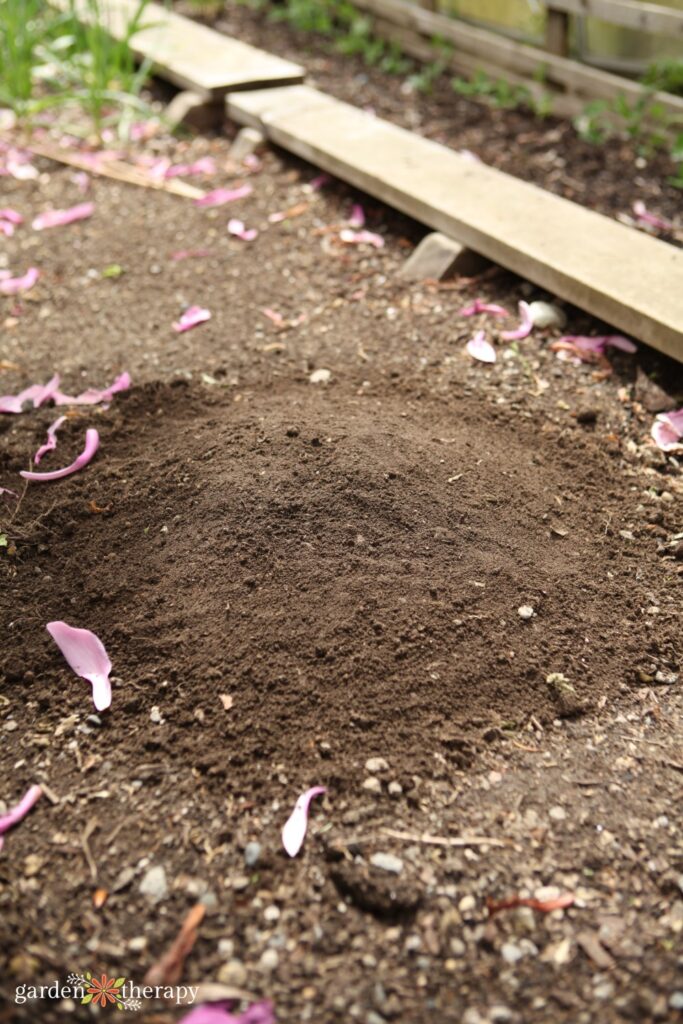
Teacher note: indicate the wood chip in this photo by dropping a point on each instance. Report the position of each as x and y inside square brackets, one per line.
[593, 948]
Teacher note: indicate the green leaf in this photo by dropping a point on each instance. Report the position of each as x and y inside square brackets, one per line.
[3, 540]
[113, 270]
[85, 1000]
[119, 982]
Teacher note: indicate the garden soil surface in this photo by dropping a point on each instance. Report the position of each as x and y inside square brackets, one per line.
[304, 584]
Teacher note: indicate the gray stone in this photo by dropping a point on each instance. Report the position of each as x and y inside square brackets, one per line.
[154, 885]
[387, 862]
[190, 110]
[372, 785]
[268, 960]
[511, 953]
[246, 142]
[437, 255]
[233, 973]
[545, 314]
[252, 854]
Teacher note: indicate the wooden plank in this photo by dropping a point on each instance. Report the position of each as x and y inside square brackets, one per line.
[513, 56]
[557, 32]
[618, 274]
[189, 54]
[643, 16]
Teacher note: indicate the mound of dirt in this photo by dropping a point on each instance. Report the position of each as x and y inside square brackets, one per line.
[348, 578]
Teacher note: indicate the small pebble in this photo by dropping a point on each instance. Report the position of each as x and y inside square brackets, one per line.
[154, 884]
[155, 715]
[271, 913]
[387, 862]
[557, 813]
[525, 612]
[374, 765]
[268, 960]
[252, 854]
[320, 377]
[233, 973]
[395, 788]
[511, 953]
[676, 1000]
[372, 785]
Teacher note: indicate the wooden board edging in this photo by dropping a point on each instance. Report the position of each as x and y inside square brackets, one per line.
[618, 274]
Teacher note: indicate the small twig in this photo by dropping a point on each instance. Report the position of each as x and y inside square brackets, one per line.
[87, 832]
[119, 170]
[428, 840]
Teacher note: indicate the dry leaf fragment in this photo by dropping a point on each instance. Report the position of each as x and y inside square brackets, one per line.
[169, 968]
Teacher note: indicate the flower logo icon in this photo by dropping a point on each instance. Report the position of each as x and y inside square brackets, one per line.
[104, 991]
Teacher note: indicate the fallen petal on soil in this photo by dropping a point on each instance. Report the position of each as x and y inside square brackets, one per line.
[13, 285]
[479, 306]
[92, 443]
[190, 318]
[36, 394]
[86, 655]
[219, 1013]
[667, 431]
[294, 830]
[57, 218]
[219, 196]
[479, 348]
[350, 237]
[524, 329]
[239, 230]
[92, 396]
[51, 442]
[19, 811]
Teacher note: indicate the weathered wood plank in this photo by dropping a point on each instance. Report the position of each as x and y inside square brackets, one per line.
[643, 16]
[626, 278]
[516, 57]
[189, 54]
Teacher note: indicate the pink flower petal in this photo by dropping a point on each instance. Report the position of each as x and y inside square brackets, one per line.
[620, 342]
[274, 316]
[190, 318]
[294, 830]
[237, 228]
[645, 217]
[205, 165]
[319, 182]
[584, 343]
[351, 237]
[11, 215]
[92, 396]
[189, 254]
[92, 443]
[479, 348]
[479, 306]
[19, 166]
[224, 195]
[667, 431]
[86, 655]
[51, 442]
[524, 329]
[19, 811]
[57, 218]
[6, 228]
[82, 180]
[36, 394]
[357, 218]
[14, 285]
[219, 1013]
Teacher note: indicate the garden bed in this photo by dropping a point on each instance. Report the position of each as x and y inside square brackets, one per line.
[294, 578]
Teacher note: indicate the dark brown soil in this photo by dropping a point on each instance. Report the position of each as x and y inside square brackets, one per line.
[346, 562]
[606, 177]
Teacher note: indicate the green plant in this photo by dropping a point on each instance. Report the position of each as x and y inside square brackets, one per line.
[50, 58]
[666, 75]
[423, 79]
[497, 91]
